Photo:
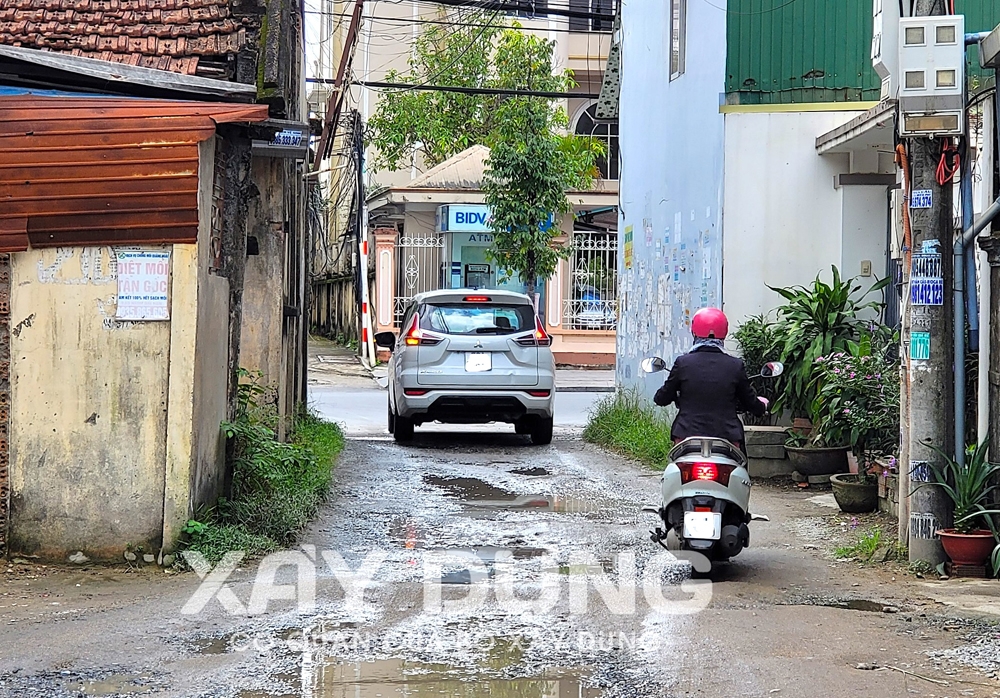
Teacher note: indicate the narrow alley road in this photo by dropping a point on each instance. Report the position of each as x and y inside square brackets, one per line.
[537, 541]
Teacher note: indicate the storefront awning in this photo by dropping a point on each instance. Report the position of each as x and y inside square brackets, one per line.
[873, 130]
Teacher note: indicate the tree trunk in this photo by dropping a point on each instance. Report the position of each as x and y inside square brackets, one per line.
[529, 282]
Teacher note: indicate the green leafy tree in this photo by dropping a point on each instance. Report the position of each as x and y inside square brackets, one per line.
[442, 124]
[533, 161]
[532, 164]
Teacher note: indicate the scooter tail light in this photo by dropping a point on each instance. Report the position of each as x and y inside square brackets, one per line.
[706, 472]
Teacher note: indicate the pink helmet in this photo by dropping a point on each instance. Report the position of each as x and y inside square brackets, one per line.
[710, 323]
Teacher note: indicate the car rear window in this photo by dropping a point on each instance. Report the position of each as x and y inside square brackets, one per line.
[477, 318]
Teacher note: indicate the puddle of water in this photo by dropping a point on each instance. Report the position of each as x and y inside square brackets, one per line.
[469, 489]
[478, 493]
[859, 605]
[396, 677]
[116, 684]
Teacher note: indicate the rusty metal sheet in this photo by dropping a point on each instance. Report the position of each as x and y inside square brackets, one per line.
[95, 171]
[14, 233]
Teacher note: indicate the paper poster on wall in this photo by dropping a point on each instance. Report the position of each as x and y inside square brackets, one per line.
[143, 279]
[628, 247]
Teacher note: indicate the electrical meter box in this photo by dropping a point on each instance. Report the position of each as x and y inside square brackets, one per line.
[885, 41]
[932, 75]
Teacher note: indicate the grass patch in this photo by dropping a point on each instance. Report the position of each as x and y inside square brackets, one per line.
[277, 487]
[868, 544]
[863, 548]
[627, 423]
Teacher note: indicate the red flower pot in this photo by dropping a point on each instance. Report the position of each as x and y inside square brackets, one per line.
[971, 549]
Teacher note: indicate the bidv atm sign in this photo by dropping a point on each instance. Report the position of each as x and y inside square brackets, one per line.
[469, 218]
[464, 219]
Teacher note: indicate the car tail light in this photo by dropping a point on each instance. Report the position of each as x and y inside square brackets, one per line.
[538, 338]
[415, 335]
[415, 391]
[706, 472]
[477, 299]
[539, 393]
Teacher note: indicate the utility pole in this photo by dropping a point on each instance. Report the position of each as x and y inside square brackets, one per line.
[928, 381]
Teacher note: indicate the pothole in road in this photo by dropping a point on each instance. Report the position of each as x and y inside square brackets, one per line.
[395, 677]
[865, 605]
[489, 675]
[862, 605]
[533, 472]
[481, 494]
[115, 685]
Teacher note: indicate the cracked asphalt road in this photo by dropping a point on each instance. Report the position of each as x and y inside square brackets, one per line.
[518, 531]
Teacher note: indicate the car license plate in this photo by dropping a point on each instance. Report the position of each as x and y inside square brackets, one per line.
[478, 362]
[702, 525]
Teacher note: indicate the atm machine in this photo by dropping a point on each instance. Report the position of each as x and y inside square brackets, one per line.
[477, 276]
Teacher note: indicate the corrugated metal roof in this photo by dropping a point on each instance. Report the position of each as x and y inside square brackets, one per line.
[816, 50]
[461, 171]
[98, 171]
[804, 51]
[25, 61]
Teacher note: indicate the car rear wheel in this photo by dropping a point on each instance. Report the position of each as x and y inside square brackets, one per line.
[392, 419]
[541, 432]
[522, 426]
[403, 429]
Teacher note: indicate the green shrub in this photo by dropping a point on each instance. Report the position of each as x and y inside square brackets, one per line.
[758, 341]
[277, 487]
[627, 423]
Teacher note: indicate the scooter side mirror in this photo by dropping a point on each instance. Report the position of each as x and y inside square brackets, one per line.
[772, 369]
[653, 364]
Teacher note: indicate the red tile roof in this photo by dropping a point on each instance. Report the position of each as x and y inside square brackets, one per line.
[169, 35]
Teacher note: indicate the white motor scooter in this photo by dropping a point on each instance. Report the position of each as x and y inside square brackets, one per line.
[706, 491]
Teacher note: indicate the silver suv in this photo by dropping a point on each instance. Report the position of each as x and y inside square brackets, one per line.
[470, 357]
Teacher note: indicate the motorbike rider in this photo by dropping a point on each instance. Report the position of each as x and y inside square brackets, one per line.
[709, 387]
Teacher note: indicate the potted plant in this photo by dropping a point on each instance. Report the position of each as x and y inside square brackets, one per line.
[968, 487]
[817, 321]
[857, 399]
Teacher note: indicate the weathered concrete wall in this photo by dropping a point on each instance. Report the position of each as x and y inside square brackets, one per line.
[88, 410]
[263, 291]
[671, 183]
[783, 228]
[199, 375]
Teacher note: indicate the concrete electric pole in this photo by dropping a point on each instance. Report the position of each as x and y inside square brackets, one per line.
[928, 352]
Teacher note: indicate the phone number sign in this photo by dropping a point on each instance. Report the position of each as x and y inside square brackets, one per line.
[927, 291]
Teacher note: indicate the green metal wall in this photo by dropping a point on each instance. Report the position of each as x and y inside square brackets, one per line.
[787, 52]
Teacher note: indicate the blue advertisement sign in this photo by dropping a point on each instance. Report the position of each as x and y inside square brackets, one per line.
[927, 291]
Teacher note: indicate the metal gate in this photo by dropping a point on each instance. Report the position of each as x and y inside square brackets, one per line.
[418, 269]
[593, 302]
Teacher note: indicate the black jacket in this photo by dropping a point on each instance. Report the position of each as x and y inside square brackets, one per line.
[710, 388]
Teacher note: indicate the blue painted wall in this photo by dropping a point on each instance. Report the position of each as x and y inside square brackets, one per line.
[671, 184]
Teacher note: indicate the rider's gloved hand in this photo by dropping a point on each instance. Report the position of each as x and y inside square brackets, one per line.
[765, 401]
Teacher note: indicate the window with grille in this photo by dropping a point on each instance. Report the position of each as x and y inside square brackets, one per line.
[678, 29]
[592, 301]
[607, 133]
